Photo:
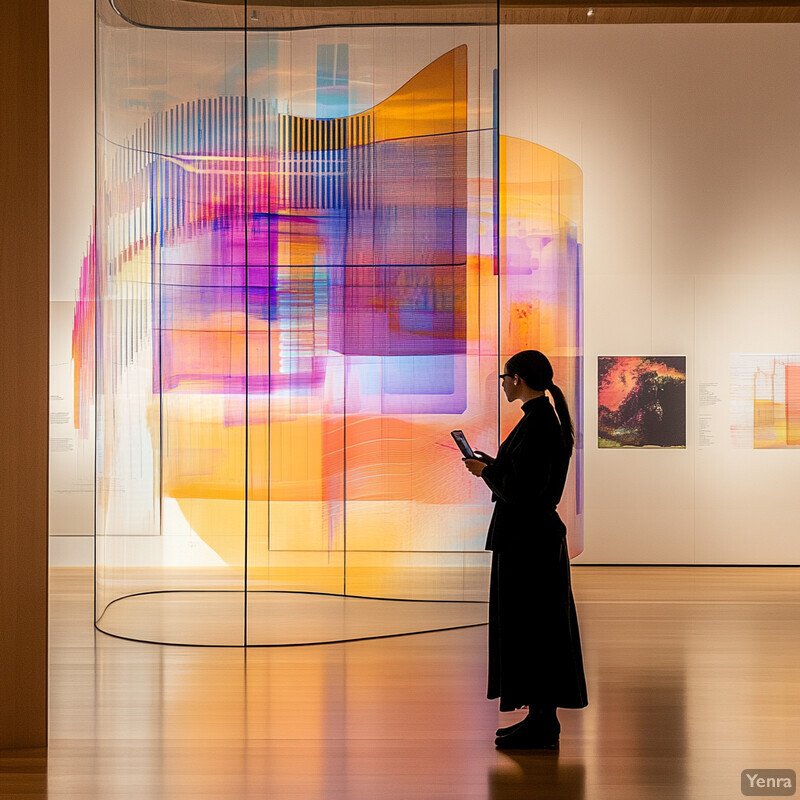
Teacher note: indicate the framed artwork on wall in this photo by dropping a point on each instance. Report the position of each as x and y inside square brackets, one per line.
[641, 401]
[765, 400]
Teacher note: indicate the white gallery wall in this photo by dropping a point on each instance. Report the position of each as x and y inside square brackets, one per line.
[689, 142]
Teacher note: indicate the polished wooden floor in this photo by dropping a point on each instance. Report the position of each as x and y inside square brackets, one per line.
[694, 675]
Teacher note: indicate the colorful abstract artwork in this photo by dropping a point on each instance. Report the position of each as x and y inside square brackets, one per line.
[540, 279]
[641, 401]
[765, 401]
[296, 298]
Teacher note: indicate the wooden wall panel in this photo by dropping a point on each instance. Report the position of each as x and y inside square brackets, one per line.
[24, 289]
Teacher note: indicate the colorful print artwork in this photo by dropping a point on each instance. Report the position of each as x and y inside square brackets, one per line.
[765, 401]
[641, 401]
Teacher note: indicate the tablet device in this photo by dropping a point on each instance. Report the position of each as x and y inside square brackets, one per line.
[463, 444]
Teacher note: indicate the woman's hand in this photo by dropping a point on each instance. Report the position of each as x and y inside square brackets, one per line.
[474, 466]
[487, 459]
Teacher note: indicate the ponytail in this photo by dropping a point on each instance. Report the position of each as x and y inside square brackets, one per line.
[536, 370]
[562, 409]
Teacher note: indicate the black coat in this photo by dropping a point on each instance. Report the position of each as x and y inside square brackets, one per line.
[534, 645]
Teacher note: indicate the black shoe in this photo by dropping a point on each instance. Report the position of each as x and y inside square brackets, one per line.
[522, 739]
[509, 729]
[533, 732]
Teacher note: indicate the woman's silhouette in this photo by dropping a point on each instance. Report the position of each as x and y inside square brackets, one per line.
[535, 656]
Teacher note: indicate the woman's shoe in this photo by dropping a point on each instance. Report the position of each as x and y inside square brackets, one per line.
[509, 729]
[532, 732]
[522, 739]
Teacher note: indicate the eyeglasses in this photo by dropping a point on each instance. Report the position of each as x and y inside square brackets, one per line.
[505, 375]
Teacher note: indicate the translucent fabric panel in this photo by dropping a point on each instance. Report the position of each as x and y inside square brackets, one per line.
[373, 147]
[540, 234]
[171, 333]
[314, 251]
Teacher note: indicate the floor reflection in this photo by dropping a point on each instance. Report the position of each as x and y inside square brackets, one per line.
[639, 712]
[684, 694]
[535, 774]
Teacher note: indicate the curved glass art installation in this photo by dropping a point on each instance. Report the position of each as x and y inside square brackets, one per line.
[313, 252]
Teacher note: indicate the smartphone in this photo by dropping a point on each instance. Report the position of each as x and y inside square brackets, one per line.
[463, 444]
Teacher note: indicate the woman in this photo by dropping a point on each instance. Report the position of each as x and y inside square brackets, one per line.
[534, 646]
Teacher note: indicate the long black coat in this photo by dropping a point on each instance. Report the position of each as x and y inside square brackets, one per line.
[534, 645]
